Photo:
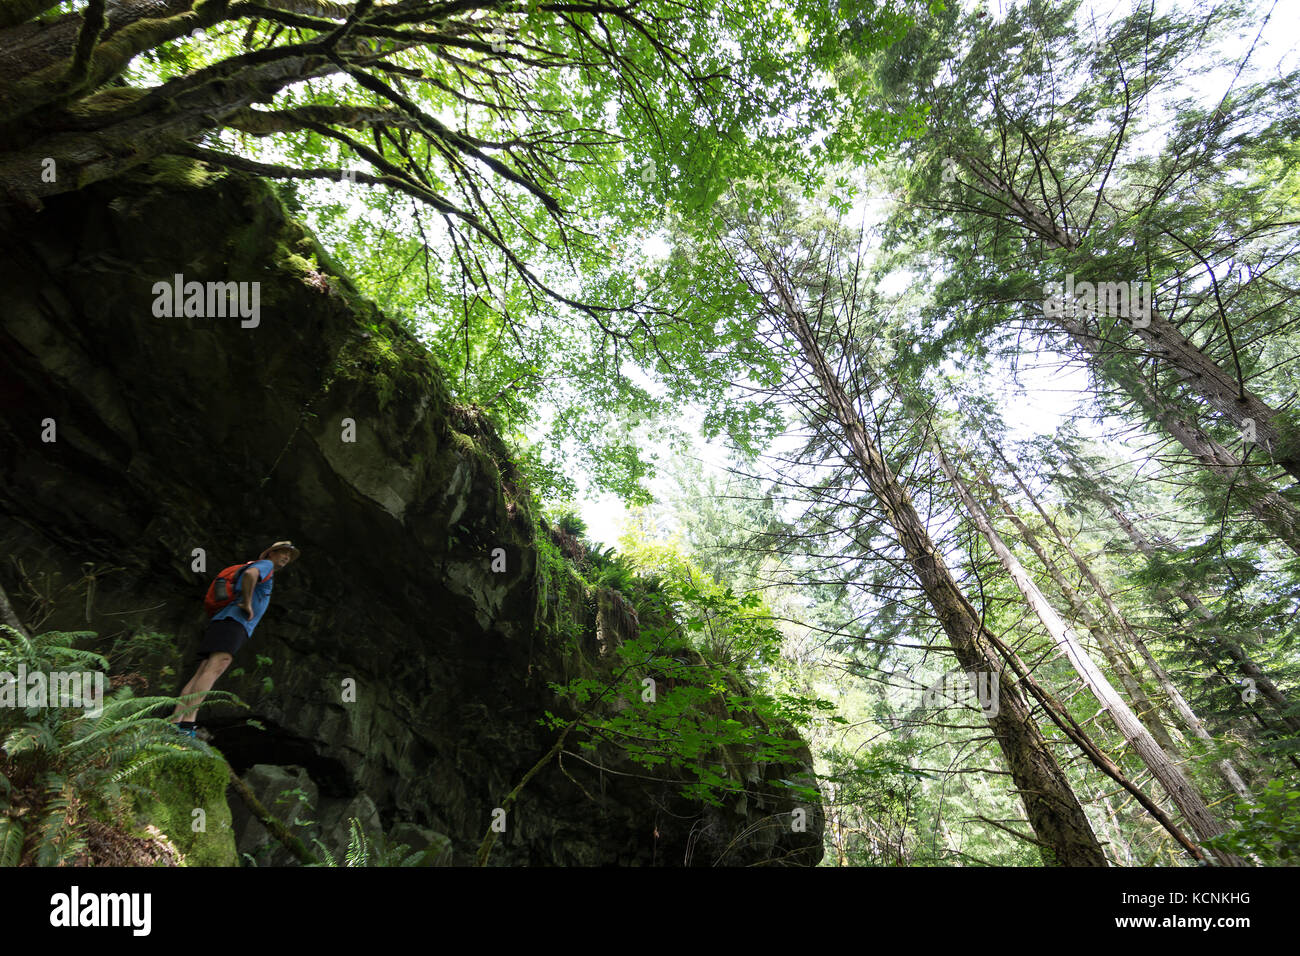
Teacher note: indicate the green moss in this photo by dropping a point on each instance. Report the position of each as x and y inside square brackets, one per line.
[297, 264]
[562, 594]
[463, 443]
[177, 171]
[309, 247]
[379, 357]
[359, 361]
[110, 100]
[467, 446]
[265, 236]
[179, 787]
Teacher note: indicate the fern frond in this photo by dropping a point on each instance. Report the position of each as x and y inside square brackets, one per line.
[29, 737]
[70, 751]
[11, 841]
[326, 855]
[15, 645]
[156, 753]
[358, 846]
[120, 713]
[52, 647]
[56, 836]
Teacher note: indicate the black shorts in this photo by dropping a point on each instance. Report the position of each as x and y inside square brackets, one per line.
[223, 634]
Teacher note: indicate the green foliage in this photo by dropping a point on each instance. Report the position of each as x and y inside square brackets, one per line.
[146, 652]
[366, 851]
[558, 587]
[301, 802]
[59, 764]
[873, 795]
[527, 275]
[571, 523]
[607, 569]
[1267, 827]
[688, 720]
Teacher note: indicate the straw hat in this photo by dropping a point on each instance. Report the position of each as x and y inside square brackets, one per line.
[281, 546]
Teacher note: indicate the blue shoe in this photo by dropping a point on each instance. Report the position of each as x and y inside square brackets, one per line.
[187, 731]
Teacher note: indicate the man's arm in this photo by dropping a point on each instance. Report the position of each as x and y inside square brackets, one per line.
[246, 585]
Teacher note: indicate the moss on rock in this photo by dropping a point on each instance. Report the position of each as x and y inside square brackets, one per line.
[401, 525]
[180, 787]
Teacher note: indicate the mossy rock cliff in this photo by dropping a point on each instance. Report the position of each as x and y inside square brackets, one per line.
[176, 434]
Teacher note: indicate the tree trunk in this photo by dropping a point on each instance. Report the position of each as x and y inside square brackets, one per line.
[1180, 789]
[1146, 710]
[1123, 852]
[1175, 697]
[9, 616]
[1221, 391]
[1055, 814]
[1274, 512]
[1263, 683]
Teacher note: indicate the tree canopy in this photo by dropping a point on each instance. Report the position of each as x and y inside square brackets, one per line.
[816, 263]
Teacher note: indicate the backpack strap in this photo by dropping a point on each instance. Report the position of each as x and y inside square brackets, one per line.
[239, 578]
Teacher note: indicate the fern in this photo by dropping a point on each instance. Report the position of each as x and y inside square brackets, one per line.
[52, 647]
[124, 710]
[358, 846]
[11, 841]
[364, 851]
[57, 834]
[61, 759]
[327, 857]
[29, 738]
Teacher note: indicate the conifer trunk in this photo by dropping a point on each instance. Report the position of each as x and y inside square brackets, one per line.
[1175, 697]
[1123, 852]
[1058, 820]
[1274, 512]
[1123, 668]
[1180, 789]
[1262, 682]
[1225, 393]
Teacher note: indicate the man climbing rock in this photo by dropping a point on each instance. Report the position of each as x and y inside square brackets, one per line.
[232, 625]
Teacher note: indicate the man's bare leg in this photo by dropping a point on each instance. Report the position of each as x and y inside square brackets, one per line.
[212, 667]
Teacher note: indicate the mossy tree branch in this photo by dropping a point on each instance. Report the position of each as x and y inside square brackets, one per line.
[277, 829]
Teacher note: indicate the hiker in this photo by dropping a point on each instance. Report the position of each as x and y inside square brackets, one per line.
[240, 610]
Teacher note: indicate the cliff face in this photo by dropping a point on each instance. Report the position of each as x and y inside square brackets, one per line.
[326, 423]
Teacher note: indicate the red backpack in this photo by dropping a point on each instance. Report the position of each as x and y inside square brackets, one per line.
[222, 590]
